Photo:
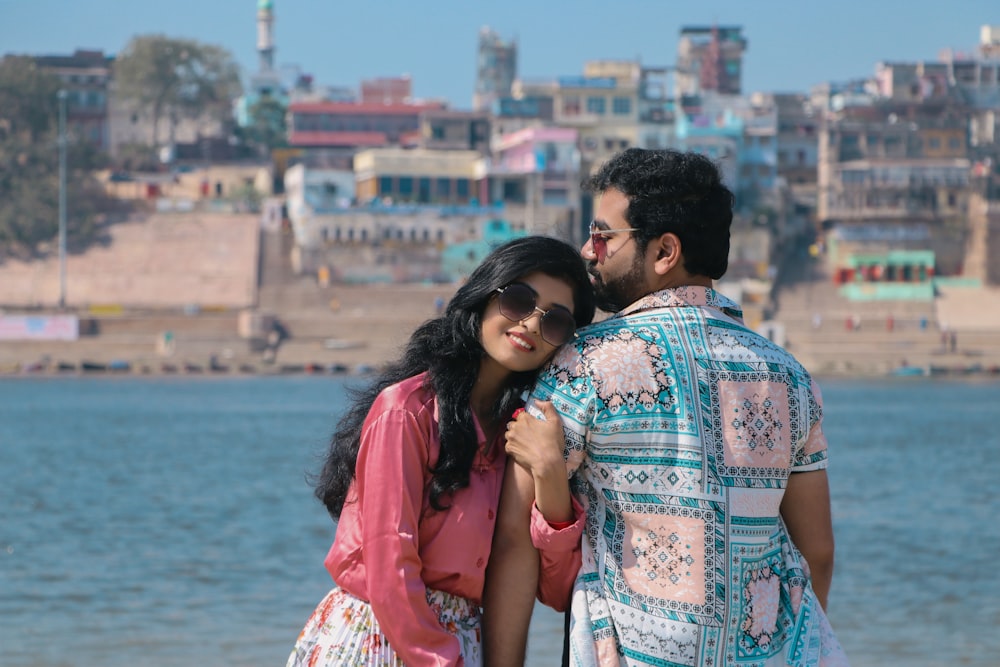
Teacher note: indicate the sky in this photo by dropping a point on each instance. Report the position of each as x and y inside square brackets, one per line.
[793, 44]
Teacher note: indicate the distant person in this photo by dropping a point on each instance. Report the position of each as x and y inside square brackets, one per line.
[415, 467]
[696, 451]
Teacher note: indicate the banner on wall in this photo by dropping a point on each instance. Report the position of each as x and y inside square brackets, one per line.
[39, 327]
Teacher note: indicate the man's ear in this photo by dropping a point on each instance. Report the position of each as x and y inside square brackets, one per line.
[668, 253]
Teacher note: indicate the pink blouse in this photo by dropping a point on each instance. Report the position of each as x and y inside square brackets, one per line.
[391, 546]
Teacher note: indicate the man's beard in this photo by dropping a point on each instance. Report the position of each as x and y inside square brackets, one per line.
[620, 291]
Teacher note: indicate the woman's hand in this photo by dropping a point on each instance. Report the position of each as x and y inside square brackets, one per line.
[537, 444]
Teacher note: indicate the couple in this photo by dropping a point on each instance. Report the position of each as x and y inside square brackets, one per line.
[697, 530]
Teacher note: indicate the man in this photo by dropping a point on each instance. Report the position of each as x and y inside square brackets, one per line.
[696, 453]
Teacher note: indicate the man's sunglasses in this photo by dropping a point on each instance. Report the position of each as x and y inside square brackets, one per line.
[599, 240]
[518, 302]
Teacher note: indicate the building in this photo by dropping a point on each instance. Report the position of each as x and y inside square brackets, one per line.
[602, 105]
[445, 129]
[797, 136]
[710, 58]
[330, 133]
[86, 78]
[421, 176]
[657, 108]
[894, 177]
[989, 42]
[715, 127]
[266, 83]
[535, 174]
[396, 90]
[496, 70]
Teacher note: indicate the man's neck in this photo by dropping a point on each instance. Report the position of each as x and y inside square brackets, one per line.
[684, 279]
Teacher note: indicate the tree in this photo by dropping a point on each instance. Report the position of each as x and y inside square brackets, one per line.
[177, 78]
[267, 129]
[29, 180]
[28, 104]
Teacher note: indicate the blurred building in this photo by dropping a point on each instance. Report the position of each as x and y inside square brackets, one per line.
[396, 90]
[710, 58]
[328, 134]
[496, 70]
[86, 78]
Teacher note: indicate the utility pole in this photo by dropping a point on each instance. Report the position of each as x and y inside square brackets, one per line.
[62, 199]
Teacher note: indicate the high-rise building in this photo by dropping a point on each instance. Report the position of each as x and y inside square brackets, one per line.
[496, 69]
[710, 58]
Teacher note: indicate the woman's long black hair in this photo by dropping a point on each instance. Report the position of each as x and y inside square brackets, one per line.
[448, 348]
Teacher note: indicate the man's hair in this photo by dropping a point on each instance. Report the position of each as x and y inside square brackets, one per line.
[678, 192]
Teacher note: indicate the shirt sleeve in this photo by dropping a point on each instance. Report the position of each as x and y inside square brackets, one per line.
[392, 461]
[559, 555]
[566, 383]
[812, 454]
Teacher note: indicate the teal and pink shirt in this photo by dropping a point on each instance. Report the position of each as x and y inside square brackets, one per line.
[682, 426]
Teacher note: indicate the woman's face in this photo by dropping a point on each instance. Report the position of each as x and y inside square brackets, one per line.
[519, 346]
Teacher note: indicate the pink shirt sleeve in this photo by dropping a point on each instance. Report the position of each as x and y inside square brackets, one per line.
[392, 461]
[559, 553]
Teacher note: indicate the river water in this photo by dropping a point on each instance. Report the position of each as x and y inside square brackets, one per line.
[167, 521]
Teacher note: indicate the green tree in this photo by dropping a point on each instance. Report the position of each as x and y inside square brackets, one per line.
[29, 159]
[268, 126]
[28, 104]
[177, 78]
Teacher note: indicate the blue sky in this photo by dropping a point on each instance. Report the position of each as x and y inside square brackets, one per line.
[793, 44]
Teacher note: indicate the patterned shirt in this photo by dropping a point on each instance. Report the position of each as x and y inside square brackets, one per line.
[682, 427]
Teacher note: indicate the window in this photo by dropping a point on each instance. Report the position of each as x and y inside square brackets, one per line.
[621, 106]
[443, 190]
[596, 105]
[462, 187]
[385, 185]
[405, 186]
[571, 106]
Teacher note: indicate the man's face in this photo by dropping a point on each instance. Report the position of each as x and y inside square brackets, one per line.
[620, 279]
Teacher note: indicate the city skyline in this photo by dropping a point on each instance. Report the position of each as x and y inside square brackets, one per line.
[792, 46]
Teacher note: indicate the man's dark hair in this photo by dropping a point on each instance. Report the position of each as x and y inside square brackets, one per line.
[678, 192]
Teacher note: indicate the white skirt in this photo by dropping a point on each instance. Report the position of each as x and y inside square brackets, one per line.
[344, 632]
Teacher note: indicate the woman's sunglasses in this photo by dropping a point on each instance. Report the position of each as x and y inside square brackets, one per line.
[518, 302]
[599, 240]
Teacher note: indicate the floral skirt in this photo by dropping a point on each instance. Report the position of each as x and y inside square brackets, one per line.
[344, 631]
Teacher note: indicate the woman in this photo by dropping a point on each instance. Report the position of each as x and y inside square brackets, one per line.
[415, 467]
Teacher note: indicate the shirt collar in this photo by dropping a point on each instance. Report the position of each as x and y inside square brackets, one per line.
[689, 295]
